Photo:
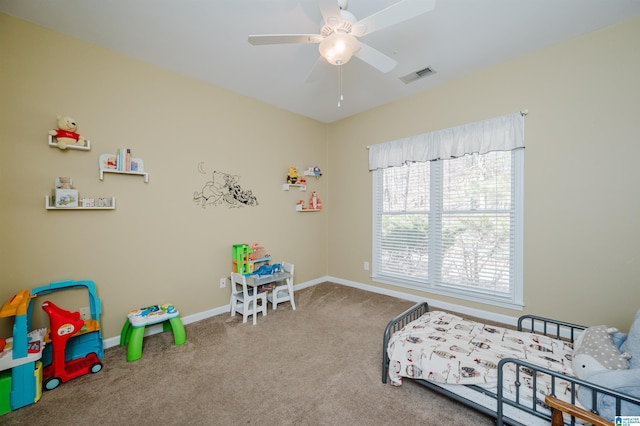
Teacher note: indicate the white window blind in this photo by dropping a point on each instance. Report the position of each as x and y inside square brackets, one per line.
[452, 226]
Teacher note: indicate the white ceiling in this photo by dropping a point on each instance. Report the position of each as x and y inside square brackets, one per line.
[207, 40]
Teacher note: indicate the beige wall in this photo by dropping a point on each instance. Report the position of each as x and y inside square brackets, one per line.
[158, 246]
[581, 175]
[581, 200]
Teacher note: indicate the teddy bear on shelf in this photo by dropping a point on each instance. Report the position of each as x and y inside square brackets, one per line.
[66, 134]
[64, 183]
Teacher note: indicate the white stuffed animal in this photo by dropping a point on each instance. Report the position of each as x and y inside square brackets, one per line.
[594, 352]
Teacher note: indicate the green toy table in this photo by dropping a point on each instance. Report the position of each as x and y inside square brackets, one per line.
[133, 329]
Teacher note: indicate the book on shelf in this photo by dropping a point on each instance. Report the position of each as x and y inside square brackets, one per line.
[124, 160]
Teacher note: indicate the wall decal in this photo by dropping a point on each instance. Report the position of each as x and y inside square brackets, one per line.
[223, 189]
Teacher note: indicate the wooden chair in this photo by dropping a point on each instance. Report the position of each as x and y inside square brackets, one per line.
[245, 300]
[558, 407]
[283, 291]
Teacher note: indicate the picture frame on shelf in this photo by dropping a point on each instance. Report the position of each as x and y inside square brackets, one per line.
[66, 198]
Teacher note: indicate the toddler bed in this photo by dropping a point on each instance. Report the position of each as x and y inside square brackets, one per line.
[507, 373]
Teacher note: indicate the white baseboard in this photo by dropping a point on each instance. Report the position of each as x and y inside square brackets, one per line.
[479, 313]
[115, 341]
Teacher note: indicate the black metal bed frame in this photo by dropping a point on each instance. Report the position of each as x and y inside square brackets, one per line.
[529, 323]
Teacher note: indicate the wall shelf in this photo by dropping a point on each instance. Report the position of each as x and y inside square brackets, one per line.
[49, 204]
[81, 148]
[300, 209]
[145, 174]
[287, 186]
[104, 160]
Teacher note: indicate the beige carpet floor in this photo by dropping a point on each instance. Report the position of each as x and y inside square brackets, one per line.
[317, 365]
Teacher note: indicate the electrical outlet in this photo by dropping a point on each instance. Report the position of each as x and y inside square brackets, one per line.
[223, 282]
[366, 266]
[85, 313]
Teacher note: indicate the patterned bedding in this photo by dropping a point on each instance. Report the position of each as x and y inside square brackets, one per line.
[444, 348]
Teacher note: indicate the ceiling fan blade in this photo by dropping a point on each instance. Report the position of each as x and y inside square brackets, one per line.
[317, 71]
[375, 58]
[284, 38]
[394, 14]
[330, 12]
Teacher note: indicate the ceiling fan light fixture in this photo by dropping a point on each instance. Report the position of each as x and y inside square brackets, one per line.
[338, 48]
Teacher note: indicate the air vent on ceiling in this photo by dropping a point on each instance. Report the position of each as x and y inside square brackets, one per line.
[417, 75]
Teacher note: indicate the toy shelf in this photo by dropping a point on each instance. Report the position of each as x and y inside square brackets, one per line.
[104, 159]
[287, 186]
[300, 209]
[81, 148]
[49, 204]
[145, 174]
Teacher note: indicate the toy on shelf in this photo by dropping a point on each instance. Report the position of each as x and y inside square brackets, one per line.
[122, 162]
[292, 176]
[65, 196]
[294, 179]
[315, 204]
[313, 171]
[66, 136]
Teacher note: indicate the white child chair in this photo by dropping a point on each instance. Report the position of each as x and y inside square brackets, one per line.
[284, 289]
[245, 300]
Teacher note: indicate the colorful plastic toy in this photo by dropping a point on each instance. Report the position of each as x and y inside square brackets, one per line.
[90, 340]
[133, 330]
[268, 269]
[63, 326]
[26, 352]
[20, 365]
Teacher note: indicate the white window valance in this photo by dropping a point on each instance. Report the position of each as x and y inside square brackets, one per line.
[496, 134]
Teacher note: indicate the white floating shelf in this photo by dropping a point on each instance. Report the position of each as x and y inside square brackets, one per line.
[103, 160]
[81, 148]
[145, 174]
[49, 204]
[287, 186]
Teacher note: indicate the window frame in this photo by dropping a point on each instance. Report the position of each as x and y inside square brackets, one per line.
[515, 300]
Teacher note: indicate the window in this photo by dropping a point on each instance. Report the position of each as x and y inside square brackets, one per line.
[452, 227]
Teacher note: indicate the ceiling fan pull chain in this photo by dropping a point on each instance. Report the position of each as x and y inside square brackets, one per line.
[340, 86]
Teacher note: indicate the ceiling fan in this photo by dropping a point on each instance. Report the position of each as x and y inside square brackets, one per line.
[338, 38]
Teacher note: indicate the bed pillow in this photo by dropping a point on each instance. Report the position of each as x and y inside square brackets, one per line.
[594, 352]
[632, 344]
[618, 338]
[623, 381]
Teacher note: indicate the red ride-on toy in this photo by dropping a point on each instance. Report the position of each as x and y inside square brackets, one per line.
[64, 325]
